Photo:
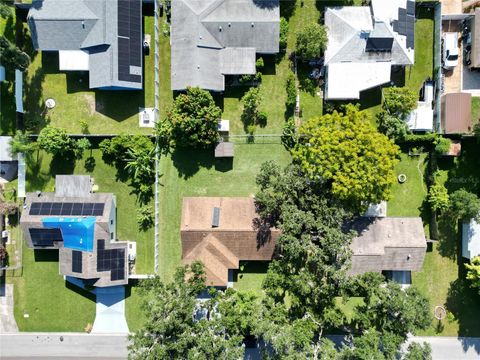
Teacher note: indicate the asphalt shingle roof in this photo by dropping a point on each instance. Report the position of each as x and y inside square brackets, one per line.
[214, 25]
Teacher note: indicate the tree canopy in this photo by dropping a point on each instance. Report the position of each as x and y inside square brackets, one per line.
[192, 121]
[392, 126]
[438, 197]
[399, 101]
[12, 57]
[473, 272]
[55, 141]
[464, 205]
[311, 41]
[177, 327]
[346, 151]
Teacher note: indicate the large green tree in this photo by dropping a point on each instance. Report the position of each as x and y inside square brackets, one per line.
[55, 141]
[399, 101]
[464, 205]
[346, 151]
[313, 249]
[473, 272]
[311, 41]
[192, 121]
[389, 308]
[177, 326]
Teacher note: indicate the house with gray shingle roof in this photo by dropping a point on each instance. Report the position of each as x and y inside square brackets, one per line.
[214, 38]
[103, 37]
[365, 43]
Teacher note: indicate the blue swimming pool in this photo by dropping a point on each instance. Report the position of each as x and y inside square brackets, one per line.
[77, 233]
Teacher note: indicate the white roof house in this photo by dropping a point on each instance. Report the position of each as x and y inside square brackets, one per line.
[470, 239]
[364, 43]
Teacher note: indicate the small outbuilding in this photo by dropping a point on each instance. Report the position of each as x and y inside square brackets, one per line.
[470, 239]
[456, 113]
[224, 150]
[8, 161]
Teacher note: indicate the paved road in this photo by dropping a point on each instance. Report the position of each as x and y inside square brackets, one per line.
[62, 346]
[452, 348]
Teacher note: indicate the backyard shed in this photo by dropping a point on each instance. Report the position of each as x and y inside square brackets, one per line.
[456, 113]
[224, 150]
[470, 239]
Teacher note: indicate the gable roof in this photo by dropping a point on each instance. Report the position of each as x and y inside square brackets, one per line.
[213, 25]
[382, 243]
[94, 26]
[363, 45]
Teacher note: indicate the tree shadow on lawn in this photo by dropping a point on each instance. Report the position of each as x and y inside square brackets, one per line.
[449, 237]
[464, 303]
[36, 179]
[189, 161]
[269, 67]
[465, 171]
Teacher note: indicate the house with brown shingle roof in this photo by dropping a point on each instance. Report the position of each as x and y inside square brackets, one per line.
[222, 231]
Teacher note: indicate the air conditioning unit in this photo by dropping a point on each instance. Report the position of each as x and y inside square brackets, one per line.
[4, 234]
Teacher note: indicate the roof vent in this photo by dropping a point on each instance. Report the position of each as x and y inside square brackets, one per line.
[39, 193]
[220, 28]
[83, 24]
[229, 24]
[216, 217]
[253, 24]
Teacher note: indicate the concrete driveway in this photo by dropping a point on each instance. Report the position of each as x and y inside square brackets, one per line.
[110, 316]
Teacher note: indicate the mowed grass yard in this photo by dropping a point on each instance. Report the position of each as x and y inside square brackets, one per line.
[7, 98]
[273, 83]
[40, 291]
[105, 112]
[442, 278]
[196, 173]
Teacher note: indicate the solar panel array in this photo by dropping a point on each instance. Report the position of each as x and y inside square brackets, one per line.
[405, 25]
[379, 44]
[112, 260]
[129, 39]
[76, 261]
[45, 236]
[66, 209]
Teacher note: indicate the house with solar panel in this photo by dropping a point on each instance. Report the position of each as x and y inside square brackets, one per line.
[103, 37]
[366, 44]
[81, 225]
[211, 39]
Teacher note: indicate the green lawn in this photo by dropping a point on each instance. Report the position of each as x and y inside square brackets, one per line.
[273, 84]
[106, 112]
[133, 311]
[7, 90]
[250, 276]
[195, 173]
[40, 281]
[407, 198]
[50, 303]
[443, 281]
[442, 278]
[475, 109]
[423, 68]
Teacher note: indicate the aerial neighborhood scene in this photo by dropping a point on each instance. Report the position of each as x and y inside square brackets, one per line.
[240, 179]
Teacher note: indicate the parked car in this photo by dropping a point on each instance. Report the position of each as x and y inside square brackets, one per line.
[450, 50]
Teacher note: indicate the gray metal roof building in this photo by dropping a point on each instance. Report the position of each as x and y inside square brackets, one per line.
[214, 38]
[110, 31]
[81, 225]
